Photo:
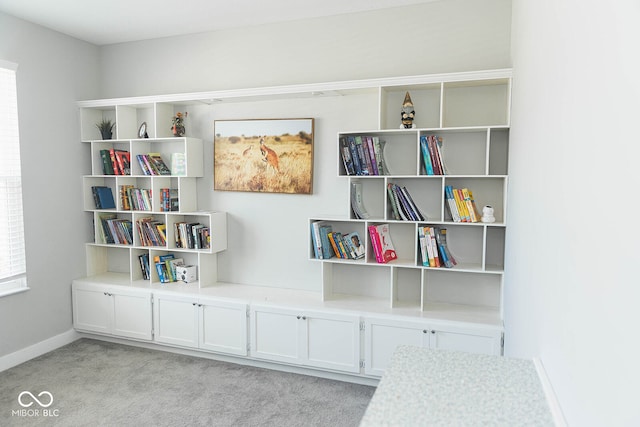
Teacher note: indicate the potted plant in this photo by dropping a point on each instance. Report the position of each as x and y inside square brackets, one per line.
[106, 128]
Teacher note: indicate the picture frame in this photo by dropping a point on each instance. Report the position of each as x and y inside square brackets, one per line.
[264, 155]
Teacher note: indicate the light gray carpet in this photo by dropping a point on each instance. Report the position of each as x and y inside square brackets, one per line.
[95, 383]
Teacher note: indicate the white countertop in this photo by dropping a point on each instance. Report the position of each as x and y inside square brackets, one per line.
[423, 387]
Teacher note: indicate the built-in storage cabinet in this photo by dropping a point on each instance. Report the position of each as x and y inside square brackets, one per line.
[383, 335]
[112, 310]
[364, 309]
[471, 119]
[306, 337]
[184, 158]
[204, 323]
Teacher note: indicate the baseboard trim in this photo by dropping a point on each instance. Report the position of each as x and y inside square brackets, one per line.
[552, 400]
[38, 349]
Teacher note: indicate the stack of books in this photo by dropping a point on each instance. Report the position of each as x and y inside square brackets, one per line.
[152, 164]
[115, 230]
[363, 155]
[135, 199]
[192, 235]
[461, 204]
[433, 247]
[115, 162]
[328, 243]
[430, 146]
[402, 205]
[151, 232]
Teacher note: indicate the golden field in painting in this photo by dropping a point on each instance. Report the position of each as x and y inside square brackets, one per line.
[239, 164]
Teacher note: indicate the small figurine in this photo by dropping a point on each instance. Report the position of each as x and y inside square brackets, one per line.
[408, 113]
[487, 214]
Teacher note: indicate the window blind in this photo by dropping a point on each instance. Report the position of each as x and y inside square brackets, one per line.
[12, 248]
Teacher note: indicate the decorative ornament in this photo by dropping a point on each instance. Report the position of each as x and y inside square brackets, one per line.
[487, 214]
[178, 124]
[408, 113]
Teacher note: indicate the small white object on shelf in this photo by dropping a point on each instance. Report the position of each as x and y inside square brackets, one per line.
[487, 214]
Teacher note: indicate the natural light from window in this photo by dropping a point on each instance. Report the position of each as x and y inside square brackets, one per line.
[12, 253]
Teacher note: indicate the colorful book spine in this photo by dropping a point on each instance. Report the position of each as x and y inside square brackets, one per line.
[375, 243]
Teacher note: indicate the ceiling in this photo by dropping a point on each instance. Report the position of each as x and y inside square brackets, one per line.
[116, 21]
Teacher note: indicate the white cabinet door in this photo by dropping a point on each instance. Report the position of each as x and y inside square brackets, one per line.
[303, 337]
[92, 309]
[479, 341]
[132, 314]
[223, 326]
[112, 310]
[176, 320]
[276, 334]
[332, 341]
[382, 336]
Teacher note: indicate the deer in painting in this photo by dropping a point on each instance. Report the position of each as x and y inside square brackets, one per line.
[269, 156]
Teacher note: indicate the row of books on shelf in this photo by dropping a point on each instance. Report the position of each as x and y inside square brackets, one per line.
[431, 149]
[363, 155]
[165, 266]
[192, 235]
[115, 161]
[152, 164]
[169, 201]
[402, 205]
[433, 247]
[118, 162]
[461, 204]
[115, 230]
[328, 243]
[152, 232]
[135, 199]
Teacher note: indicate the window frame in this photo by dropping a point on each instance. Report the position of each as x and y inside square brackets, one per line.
[15, 284]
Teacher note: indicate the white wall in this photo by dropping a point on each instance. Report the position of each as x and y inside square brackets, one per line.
[53, 72]
[572, 251]
[268, 243]
[441, 36]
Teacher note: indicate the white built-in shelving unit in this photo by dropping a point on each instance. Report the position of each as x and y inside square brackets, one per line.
[363, 310]
[121, 259]
[471, 114]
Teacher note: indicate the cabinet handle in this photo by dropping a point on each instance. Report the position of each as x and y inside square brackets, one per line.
[194, 304]
[298, 317]
[433, 332]
[424, 331]
[304, 317]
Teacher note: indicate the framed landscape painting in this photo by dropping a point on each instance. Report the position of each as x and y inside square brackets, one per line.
[263, 155]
